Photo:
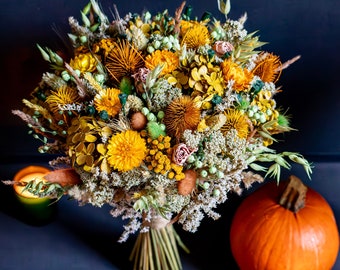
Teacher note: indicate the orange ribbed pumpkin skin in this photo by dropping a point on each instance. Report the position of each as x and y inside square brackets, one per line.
[266, 236]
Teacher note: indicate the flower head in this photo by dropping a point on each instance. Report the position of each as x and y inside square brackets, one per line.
[195, 35]
[241, 76]
[84, 62]
[123, 60]
[168, 60]
[181, 114]
[108, 100]
[126, 150]
[235, 119]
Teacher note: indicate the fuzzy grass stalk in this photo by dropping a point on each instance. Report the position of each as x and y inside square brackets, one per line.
[157, 249]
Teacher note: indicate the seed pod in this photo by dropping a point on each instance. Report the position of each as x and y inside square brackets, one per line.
[188, 184]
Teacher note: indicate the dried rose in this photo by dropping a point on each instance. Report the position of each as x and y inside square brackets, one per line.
[222, 47]
[180, 153]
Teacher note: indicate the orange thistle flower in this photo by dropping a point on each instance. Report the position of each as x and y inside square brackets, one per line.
[167, 59]
[241, 76]
[181, 114]
[126, 150]
[109, 101]
[236, 120]
[268, 67]
[123, 60]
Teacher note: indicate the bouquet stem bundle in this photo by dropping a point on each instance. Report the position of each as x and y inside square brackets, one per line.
[157, 249]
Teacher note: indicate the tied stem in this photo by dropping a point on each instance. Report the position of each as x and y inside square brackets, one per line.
[294, 195]
[157, 249]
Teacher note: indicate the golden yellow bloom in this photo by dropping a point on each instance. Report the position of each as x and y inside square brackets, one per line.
[236, 120]
[167, 59]
[108, 100]
[265, 103]
[84, 62]
[268, 67]
[64, 95]
[126, 150]
[196, 36]
[181, 114]
[241, 76]
[105, 45]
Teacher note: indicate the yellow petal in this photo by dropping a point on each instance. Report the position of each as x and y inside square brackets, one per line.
[78, 137]
[81, 159]
[172, 80]
[203, 70]
[101, 149]
[80, 147]
[195, 75]
[90, 138]
[90, 148]
[191, 83]
[199, 87]
[89, 160]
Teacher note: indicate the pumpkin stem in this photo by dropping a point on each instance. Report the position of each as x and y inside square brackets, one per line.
[294, 195]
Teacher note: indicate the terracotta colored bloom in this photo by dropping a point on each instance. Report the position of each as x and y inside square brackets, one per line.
[108, 100]
[126, 150]
[181, 114]
[236, 120]
[169, 60]
[84, 62]
[241, 76]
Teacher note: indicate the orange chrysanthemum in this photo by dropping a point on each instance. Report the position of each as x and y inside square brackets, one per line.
[181, 114]
[268, 67]
[241, 76]
[126, 150]
[196, 36]
[123, 60]
[236, 120]
[108, 101]
[167, 59]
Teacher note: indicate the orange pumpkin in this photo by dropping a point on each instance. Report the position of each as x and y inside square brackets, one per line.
[266, 234]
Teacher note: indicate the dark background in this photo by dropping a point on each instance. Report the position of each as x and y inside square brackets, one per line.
[311, 93]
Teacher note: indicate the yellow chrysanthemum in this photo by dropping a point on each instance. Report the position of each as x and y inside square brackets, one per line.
[126, 150]
[236, 120]
[241, 76]
[62, 96]
[196, 36]
[167, 59]
[84, 62]
[108, 101]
